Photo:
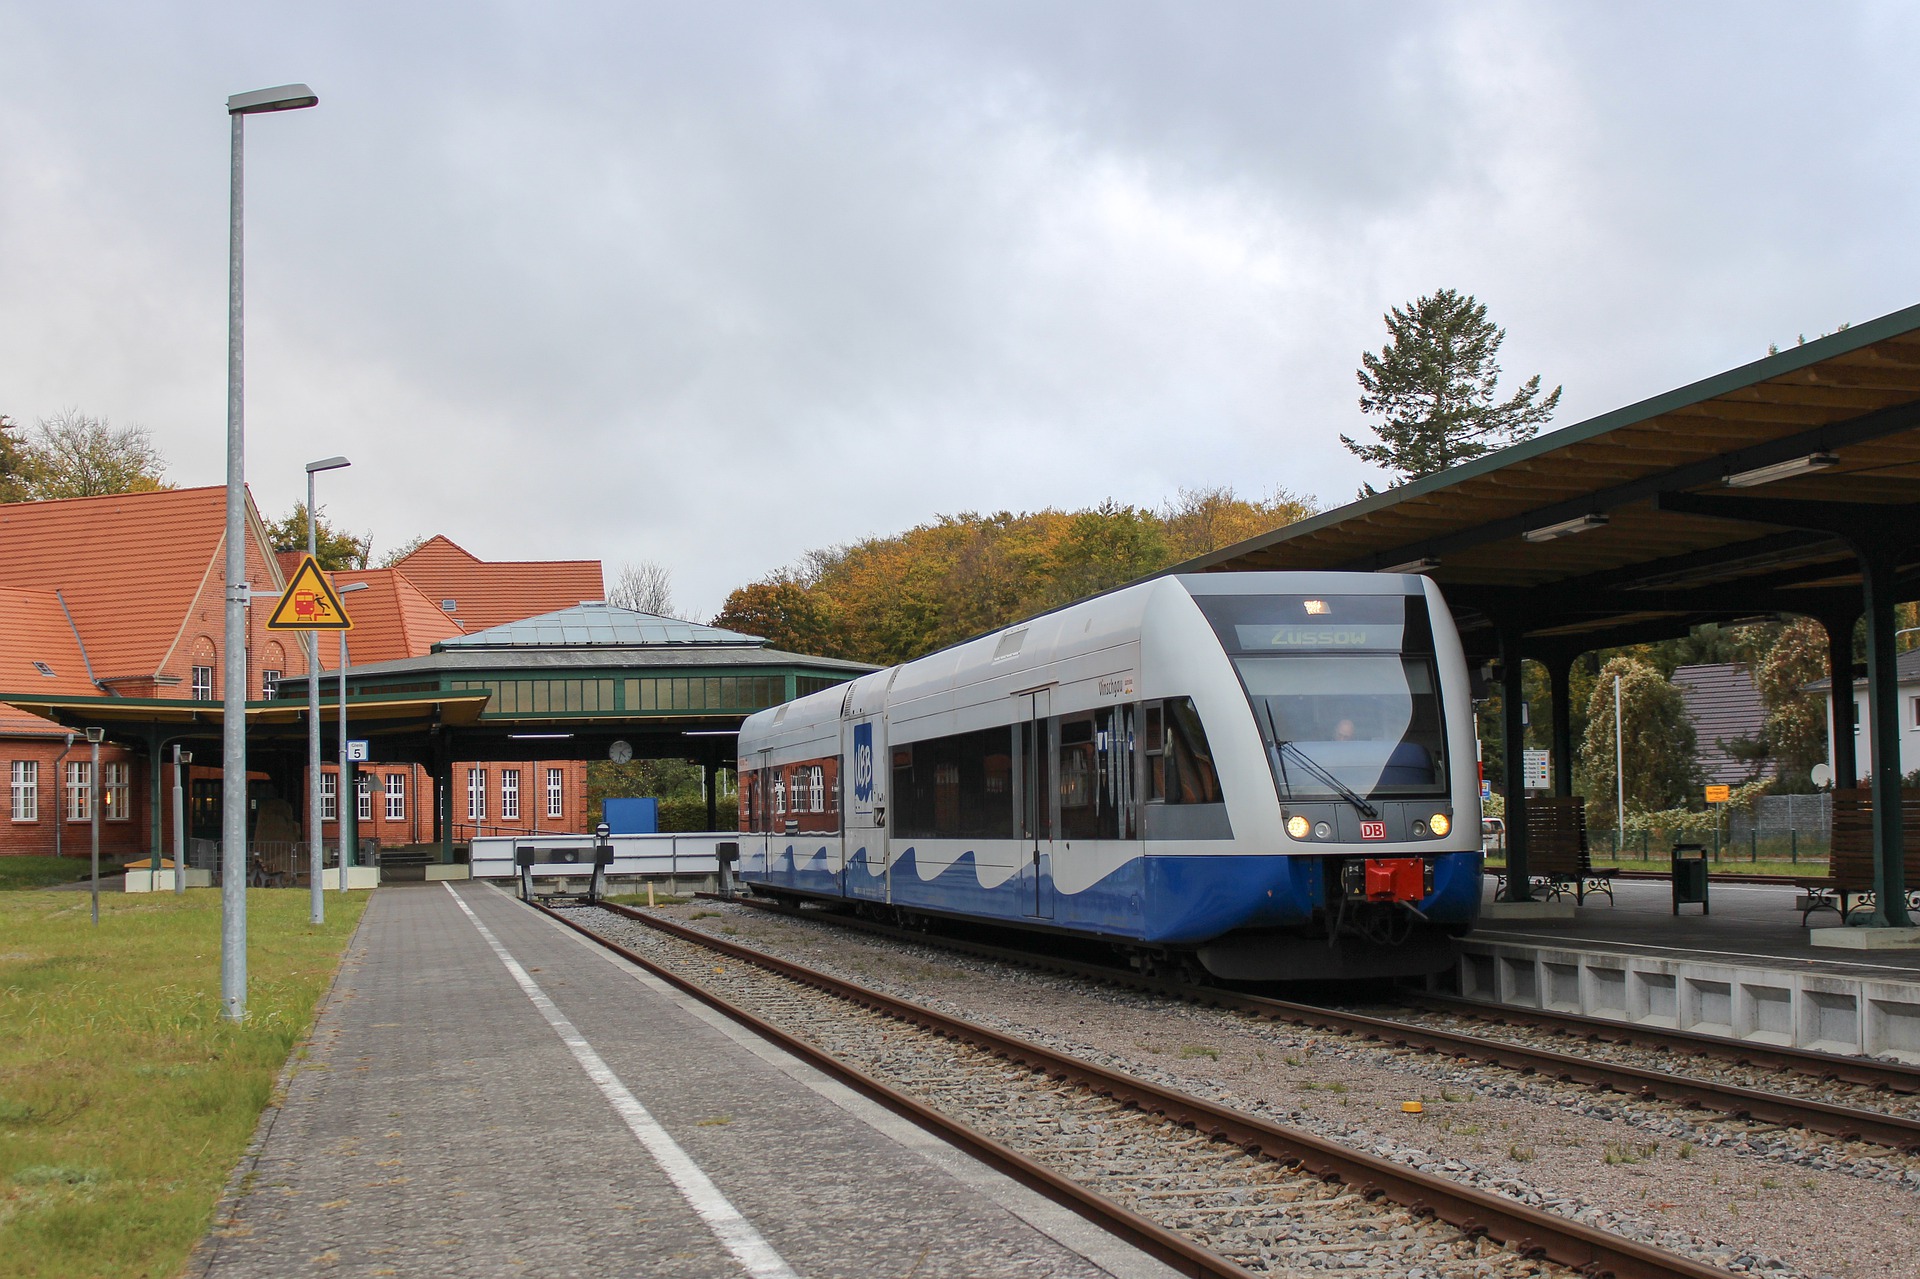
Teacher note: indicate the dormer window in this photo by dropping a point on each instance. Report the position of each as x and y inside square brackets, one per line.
[449, 606]
[44, 669]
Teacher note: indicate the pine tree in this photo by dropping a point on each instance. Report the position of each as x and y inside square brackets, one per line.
[1432, 387]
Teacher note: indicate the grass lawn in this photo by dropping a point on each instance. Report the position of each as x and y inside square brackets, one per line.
[125, 1099]
[38, 872]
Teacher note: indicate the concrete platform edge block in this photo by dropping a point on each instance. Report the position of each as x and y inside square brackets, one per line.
[1837, 1013]
[1865, 938]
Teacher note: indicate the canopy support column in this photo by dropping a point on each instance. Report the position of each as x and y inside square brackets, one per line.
[1840, 712]
[1513, 741]
[1883, 722]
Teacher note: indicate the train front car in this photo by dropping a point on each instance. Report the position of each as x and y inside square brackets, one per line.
[1341, 727]
[1268, 775]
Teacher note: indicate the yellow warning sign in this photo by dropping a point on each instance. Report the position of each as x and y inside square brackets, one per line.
[1719, 794]
[310, 604]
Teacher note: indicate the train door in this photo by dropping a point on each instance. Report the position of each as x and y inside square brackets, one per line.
[1037, 795]
[863, 745]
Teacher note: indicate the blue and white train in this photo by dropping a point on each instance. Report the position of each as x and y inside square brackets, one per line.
[1270, 776]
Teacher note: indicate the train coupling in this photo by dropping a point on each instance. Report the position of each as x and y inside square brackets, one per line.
[1387, 879]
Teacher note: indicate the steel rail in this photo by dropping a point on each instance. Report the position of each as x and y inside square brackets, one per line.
[1530, 1231]
[1845, 1122]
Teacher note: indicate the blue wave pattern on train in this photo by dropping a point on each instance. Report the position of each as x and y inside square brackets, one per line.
[1266, 775]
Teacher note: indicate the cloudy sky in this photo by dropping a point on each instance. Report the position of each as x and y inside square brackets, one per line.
[713, 283]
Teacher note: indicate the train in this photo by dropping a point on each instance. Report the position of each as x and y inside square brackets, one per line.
[1262, 776]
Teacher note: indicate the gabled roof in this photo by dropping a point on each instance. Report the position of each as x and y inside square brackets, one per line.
[128, 564]
[486, 594]
[599, 625]
[391, 619]
[1725, 707]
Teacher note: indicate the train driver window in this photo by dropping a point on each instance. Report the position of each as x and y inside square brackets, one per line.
[1179, 763]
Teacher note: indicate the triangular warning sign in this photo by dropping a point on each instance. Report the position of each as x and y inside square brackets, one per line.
[310, 604]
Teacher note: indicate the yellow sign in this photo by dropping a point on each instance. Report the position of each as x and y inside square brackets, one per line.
[1719, 794]
[310, 604]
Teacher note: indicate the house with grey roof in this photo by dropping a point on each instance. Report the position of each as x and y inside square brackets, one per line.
[1726, 710]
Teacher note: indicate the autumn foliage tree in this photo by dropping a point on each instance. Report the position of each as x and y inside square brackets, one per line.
[1657, 739]
[892, 599]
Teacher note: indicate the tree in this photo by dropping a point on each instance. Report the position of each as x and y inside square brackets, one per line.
[1658, 741]
[13, 462]
[1796, 731]
[73, 455]
[782, 612]
[646, 587]
[336, 550]
[400, 552]
[1432, 389]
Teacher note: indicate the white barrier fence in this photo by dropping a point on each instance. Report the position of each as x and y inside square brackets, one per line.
[648, 856]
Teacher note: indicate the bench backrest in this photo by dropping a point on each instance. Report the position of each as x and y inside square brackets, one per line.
[1556, 836]
[1852, 856]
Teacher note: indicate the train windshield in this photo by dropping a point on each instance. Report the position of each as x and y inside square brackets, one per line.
[1343, 689]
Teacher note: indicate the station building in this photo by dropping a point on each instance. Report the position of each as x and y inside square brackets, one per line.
[111, 607]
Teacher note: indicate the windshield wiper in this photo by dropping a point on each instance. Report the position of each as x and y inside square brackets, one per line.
[1326, 778]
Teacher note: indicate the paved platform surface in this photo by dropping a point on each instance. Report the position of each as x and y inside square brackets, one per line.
[445, 1125]
[1749, 923]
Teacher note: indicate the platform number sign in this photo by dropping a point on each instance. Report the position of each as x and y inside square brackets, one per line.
[863, 766]
[1373, 830]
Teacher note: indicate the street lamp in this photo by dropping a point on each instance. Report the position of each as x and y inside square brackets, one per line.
[94, 737]
[319, 902]
[345, 792]
[233, 714]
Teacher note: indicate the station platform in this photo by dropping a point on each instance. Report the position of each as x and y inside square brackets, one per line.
[1747, 970]
[488, 1093]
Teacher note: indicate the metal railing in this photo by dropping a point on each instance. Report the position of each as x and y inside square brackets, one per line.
[668, 856]
[275, 863]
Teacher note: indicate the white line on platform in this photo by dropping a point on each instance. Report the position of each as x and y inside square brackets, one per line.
[753, 1252]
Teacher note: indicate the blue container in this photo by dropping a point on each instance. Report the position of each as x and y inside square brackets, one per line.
[632, 816]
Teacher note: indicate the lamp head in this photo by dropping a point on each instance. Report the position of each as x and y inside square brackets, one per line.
[96, 735]
[327, 464]
[285, 97]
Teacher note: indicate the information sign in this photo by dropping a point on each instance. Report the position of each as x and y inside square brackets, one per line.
[1536, 769]
[356, 750]
[1719, 794]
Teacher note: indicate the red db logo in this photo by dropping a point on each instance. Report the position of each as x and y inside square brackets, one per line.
[1373, 830]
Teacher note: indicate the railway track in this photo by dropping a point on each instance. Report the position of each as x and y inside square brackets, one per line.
[1210, 1190]
[1764, 1105]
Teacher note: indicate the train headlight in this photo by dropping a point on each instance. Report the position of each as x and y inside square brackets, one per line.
[1298, 826]
[1439, 823]
[1321, 830]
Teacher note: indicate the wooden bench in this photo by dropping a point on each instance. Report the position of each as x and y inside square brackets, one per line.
[1558, 859]
[1847, 887]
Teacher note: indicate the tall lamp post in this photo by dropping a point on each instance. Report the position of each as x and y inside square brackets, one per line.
[233, 758]
[319, 903]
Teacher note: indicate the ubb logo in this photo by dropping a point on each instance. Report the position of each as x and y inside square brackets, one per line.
[863, 763]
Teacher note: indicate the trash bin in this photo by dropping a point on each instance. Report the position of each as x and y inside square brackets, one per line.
[1690, 877]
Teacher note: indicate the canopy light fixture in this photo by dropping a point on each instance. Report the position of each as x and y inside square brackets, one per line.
[1565, 528]
[1426, 565]
[1781, 470]
[711, 732]
[539, 737]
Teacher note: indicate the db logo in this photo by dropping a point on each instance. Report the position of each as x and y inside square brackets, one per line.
[1373, 830]
[863, 762]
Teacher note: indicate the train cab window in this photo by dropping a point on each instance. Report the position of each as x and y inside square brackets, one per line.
[1179, 763]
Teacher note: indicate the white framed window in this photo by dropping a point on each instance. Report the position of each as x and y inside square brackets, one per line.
[363, 797]
[1916, 714]
[329, 797]
[117, 797]
[476, 794]
[555, 794]
[269, 684]
[780, 794]
[817, 789]
[509, 794]
[396, 797]
[26, 790]
[203, 683]
[79, 803]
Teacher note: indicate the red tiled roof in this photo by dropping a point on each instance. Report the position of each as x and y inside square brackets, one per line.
[391, 620]
[33, 628]
[128, 564]
[492, 594]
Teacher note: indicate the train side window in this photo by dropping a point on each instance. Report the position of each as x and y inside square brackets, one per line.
[745, 780]
[1179, 762]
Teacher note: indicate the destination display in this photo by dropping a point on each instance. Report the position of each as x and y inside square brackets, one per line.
[1381, 637]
